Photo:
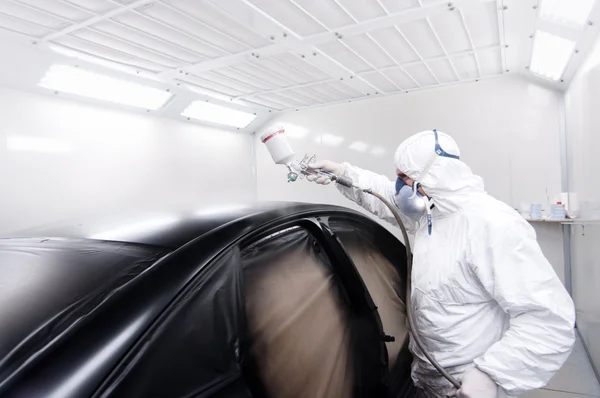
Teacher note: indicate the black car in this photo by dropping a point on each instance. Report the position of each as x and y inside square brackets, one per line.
[287, 301]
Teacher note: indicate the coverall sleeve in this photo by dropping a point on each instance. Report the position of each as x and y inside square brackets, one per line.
[510, 265]
[378, 183]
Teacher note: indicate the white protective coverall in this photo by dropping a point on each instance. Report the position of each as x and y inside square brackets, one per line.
[483, 294]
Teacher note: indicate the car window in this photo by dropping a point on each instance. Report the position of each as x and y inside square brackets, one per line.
[299, 326]
[373, 254]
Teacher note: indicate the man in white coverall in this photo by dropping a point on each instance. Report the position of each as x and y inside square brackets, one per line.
[486, 302]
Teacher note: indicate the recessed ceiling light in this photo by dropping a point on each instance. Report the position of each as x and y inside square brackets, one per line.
[213, 113]
[572, 13]
[77, 81]
[551, 55]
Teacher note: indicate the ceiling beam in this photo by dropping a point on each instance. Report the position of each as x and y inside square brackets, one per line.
[429, 87]
[98, 18]
[295, 42]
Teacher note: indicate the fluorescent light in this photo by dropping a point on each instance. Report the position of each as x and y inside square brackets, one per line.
[24, 143]
[212, 113]
[359, 146]
[72, 80]
[572, 13]
[329, 139]
[378, 151]
[551, 55]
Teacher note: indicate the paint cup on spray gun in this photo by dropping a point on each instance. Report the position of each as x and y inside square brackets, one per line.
[280, 150]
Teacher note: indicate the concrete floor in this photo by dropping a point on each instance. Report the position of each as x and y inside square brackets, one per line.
[576, 379]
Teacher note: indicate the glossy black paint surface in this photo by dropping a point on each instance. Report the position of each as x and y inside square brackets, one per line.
[78, 347]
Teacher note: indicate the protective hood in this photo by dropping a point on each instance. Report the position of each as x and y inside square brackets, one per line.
[449, 181]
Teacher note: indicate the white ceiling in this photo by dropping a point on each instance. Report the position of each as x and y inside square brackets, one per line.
[292, 54]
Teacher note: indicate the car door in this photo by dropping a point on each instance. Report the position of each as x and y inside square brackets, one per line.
[282, 311]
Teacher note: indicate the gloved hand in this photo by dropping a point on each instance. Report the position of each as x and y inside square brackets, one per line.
[477, 384]
[325, 165]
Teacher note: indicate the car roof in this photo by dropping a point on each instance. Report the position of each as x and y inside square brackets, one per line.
[72, 272]
[171, 229]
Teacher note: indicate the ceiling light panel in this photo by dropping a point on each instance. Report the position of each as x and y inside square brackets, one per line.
[28, 14]
[62, 9]
[20, 26]
[344, 89]
[451, 31]
[573, 13]
[210, 85]
[289, 15]
[115, 44]
[551, 55]
[482, 20]
[443, 70]
[401, 79]
[490, 61]
[257, 99]
[171, 15]
[282, 100]
[316, 95]
[209, 14]
[329, 92]
[276, 69]
[227, 81]
[246, 78]
[150, 40]
[290, 98]
[421, 74]
[466, 66]
[422, 38]
[94, 6]
[363, 10]
[386, 84]
[76, 81]
[298, 65]
[308, 97]
[172, 33]
[240, 14]
[259, 71]
[326, 12]
[394, 44]
[343, 55]
[217, 114]
[393, 6]
[370, 50]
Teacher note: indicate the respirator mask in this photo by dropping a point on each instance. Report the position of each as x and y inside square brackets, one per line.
[409, 201]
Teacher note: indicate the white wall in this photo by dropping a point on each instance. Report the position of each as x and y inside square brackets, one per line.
[507, 129]
[92, 159]
[583, 141]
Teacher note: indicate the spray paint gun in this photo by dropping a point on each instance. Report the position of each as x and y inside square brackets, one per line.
[282, 153]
